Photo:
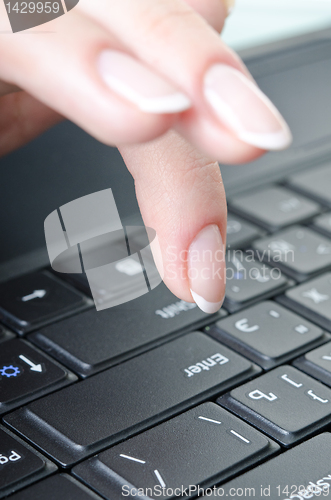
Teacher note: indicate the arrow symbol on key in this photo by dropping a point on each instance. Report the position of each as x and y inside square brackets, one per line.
[33, 366]
[37, 294]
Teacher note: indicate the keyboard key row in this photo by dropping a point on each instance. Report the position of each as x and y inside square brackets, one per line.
[95, 340]
[106, 408]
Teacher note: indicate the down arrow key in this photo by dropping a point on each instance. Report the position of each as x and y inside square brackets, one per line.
[33, 366]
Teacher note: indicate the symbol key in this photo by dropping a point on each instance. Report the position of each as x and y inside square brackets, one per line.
[19, 463]
[312, 300]
[298, 251]
[26, 373]
[115, 404]
[284, 403]
[211, 440]
[268, 334]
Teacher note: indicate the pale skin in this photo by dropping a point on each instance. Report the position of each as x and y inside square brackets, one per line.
[172, 156]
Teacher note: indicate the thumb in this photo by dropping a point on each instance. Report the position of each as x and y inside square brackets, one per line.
[181, 195]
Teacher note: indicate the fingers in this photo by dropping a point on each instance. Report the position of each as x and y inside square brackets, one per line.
[171, 38]
[177, 63]
[181, 195]
[68, 81]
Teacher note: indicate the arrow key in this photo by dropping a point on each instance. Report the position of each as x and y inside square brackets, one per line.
[26, 373]
[36, 299]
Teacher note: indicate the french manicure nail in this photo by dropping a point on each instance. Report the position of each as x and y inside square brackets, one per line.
[138, 84]
[206, 269]
[243, 108]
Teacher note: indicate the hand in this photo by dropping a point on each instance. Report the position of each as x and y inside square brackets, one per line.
[127, 72]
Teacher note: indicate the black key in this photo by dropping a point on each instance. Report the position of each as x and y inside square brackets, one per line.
[317, 363]
[95, 340]
[322, 223]
[298, 251]
[248, 281]
[33, 300]
[20, 464]
[274, 207]
[268, 334]
[315, 183]
[214, 443]
[239, 233]
[312, 300]
[111, 406]
[284, 403]
[300, 473]
[58, 487]
[26, 373]
[5, 334]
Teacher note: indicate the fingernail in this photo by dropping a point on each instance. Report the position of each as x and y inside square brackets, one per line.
[129, 78]
[206, 269]
[243, 108]
[229, 5]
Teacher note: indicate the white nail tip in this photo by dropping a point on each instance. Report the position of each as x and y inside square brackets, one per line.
[274, 141]
[204, 305]
[170, 103]
[270, 141]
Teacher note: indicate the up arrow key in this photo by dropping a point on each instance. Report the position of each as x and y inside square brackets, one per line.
[37, 294]
[34, 368]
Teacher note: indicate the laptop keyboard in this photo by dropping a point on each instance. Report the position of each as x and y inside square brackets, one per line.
[154, 398]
